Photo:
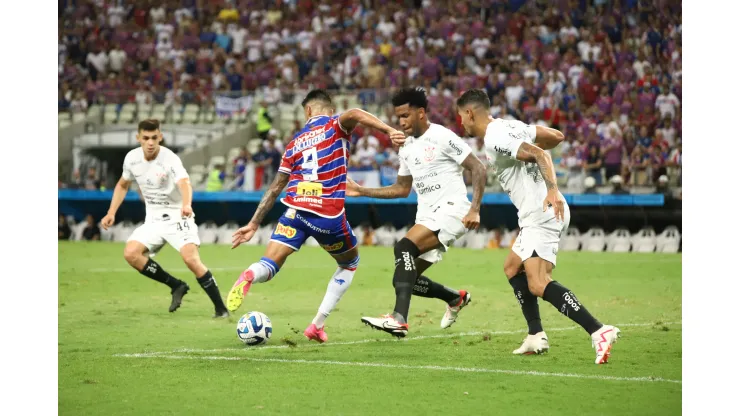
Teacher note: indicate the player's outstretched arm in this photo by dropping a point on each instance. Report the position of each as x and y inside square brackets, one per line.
[400, 189]
[351, 118]
[246, 233]
[186, 190]
[548, 138]
[478, 170]
[119, 193]
[530, 153]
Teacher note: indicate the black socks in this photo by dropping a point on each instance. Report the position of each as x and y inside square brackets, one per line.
[427, 288]
[528, 302]
[208, 283]
[566, 302]
[405, 252]
[154, 271]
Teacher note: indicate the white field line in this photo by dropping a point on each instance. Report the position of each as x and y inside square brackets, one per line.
[411, 367]
[184, 269]
[365, 341]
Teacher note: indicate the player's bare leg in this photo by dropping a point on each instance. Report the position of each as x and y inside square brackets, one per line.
[339, 283]
[427, 288]
[135, 254]
[536, 341]
[419, 239]
[191, 257]
[259, 272]
[540, 283]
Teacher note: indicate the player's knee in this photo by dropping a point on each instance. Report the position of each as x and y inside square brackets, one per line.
[350, 265]
[537, 286]
[191, 259]
[511, 270]
[132, 254]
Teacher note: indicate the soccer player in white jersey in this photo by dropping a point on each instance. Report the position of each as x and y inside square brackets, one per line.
[432, 159]
[525, 170]
[165, 186]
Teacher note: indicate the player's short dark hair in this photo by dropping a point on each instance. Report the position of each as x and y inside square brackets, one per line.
[317, 95]
[150, 124]
[474, 97]
[414, 97]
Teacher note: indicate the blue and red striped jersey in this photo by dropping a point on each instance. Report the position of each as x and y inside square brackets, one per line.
[316, 160]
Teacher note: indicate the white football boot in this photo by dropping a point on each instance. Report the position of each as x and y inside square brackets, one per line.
[388, 324]
[602, 341]
[533, 344]
[451, 313]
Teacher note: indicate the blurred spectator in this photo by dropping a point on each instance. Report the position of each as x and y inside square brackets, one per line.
[91, 181]
[618, 185]
[667, 103]
[216, 179]
[264, 121]
[364, 157]
[593, 163]
[574, 165]
[91, 232]
[64, 231]
[240, 166]
[639, 163]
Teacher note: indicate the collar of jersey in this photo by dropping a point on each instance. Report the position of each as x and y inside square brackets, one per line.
[313, 119]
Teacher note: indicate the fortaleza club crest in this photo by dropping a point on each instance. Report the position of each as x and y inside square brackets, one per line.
[429, 153]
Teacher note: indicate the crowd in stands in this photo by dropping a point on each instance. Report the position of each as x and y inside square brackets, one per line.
[606, 73]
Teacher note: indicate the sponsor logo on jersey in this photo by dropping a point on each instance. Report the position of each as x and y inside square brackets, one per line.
[503, 151]
[455, 148]
[417, 161]
[429, 153]
[333, 247]
[427, 176]
[310, 189]
[309, 139]
[290, 213]
[285, 230]
[421, 189]
[309, 200]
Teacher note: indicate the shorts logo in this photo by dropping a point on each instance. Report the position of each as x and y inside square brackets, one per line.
[290, 213]
[429, 153]
[333, 247]
[285, 230]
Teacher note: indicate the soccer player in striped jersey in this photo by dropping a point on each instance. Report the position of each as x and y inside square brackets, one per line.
[314, 168]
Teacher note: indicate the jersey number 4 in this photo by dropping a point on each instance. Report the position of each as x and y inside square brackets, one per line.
[182, 225]
[310, 164]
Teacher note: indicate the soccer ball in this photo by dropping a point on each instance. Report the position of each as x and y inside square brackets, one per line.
[254, 328]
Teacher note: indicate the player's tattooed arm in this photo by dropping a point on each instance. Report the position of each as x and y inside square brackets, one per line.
[530, 153]
[400, 189]
[478, 170]
[548, 138]
[268, 199]
[554, 199]
[351, 118]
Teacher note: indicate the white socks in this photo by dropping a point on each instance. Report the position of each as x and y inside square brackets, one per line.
[263, 270]
[338, 285]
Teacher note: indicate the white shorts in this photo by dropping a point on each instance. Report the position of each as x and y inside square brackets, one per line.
[448, 226]
[542, 238]
[176, 233]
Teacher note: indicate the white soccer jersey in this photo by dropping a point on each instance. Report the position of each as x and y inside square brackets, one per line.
[157, 180]
[434, 161]
[521, 180]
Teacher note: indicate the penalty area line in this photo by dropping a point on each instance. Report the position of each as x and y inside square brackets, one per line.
[411, 367]
[389, 339]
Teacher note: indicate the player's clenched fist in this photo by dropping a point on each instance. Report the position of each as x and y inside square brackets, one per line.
[353, 189]
[186, 211]
[471, 220]
[398, 137]
[107, 221]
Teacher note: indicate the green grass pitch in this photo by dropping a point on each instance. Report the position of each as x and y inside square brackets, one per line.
[122, 353]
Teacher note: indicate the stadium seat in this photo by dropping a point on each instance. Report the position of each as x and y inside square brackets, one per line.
[232, 154]
[190, 115]
[127, 112]
[77, 230]
[198, 169]
[216, 160]
[478, 239]
[594, 240]
[226, 231]
[263, 234]
[644, 241]
[106, 235]
[197, 179]
[157, 111]
[122, 231]
[619, 241]
[253, 146]
[386, 235]
[669, 240]
[110, 114]
[507, 238]
[571, 241]
[208, 233]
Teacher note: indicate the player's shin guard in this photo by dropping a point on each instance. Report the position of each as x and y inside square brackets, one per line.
[338, 285]
[567, 303]
[528, 302]
[154, 271]
[208, 283]
[264, 270]
[404, 276]
[427, 288]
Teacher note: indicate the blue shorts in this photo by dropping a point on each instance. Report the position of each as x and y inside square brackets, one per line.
[333, 234]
